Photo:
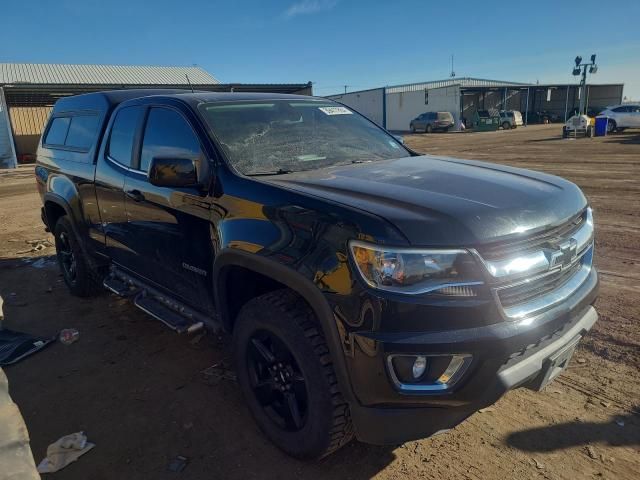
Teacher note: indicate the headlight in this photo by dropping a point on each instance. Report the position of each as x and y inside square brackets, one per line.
[416, 271]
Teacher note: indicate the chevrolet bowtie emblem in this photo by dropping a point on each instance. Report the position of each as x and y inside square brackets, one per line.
[565, 254]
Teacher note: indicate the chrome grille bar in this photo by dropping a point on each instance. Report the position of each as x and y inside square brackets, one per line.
[539, 276]
[542, 260]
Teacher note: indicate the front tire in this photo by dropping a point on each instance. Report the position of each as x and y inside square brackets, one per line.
[286, 375]
[413, 128]
[612, 127]
[78, 274]
[428, 128]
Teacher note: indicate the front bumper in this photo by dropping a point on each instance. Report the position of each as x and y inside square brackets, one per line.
[388, 425]
[506, 355]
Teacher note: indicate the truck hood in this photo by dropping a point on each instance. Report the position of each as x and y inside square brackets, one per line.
[445, 201]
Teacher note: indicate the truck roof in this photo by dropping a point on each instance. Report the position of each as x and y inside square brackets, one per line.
[107, 100]
[103, 101]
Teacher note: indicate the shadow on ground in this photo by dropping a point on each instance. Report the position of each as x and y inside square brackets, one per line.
[619, 431]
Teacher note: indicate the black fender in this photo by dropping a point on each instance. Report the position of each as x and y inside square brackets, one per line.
[299, 284]
[76, 223]
[60, 201]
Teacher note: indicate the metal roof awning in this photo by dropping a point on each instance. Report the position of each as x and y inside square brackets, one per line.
[29, 95]
[68, 74]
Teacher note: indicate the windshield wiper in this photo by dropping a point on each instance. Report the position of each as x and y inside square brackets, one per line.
[280, 171]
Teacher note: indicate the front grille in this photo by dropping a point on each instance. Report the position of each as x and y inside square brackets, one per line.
[537, 241]
[522, 293]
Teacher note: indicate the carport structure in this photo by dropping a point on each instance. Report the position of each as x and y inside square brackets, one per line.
[393, 107]
[28, 92]
[538, 103]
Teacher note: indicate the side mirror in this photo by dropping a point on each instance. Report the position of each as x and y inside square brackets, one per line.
[399, 138]
[173, 172]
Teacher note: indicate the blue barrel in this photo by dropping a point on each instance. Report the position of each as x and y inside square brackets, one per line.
[601, 126]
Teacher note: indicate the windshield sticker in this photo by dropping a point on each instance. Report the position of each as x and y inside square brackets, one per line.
[310, 158]
[393, 144]
[335, 111]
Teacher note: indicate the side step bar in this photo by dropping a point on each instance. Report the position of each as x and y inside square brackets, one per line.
[174, 314]
[120, 287]
[170, 318]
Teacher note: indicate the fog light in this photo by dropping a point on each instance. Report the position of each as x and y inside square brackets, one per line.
[427, 373]
[419, 366]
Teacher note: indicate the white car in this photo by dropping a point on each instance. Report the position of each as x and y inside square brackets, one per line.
[510, 119]
[622, 116]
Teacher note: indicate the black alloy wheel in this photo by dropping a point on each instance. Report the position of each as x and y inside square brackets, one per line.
[66, 257]
[277, 382]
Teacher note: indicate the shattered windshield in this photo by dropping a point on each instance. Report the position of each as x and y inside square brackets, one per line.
[282, 136]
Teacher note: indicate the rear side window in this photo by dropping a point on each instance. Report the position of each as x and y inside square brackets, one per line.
[123, 133]
[82, 132]
[168, 135]
[621, 109]
[57, 132]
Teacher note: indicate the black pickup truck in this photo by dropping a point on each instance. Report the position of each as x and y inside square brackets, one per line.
[369, 291]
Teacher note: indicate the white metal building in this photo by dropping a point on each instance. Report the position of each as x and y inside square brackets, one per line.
[394, 107]
[28, 92]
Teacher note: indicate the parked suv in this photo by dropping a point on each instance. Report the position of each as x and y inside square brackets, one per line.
[622, 116]
[369, 291]
[431, 121]
[510, 119]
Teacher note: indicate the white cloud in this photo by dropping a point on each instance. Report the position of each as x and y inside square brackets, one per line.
[308, 7]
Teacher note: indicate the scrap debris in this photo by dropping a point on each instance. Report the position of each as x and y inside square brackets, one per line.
[219, 371]
[14, 346]
[35, 246]
[65, 451]
[178, 464]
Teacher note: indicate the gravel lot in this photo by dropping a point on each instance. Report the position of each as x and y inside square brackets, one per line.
[140, 393]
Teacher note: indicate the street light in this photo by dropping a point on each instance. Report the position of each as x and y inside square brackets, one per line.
[581, 68]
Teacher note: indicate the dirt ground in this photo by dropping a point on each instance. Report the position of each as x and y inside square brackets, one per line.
[144, 396]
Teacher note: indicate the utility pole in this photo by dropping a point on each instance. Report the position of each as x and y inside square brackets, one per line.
[581, 69]
[345, 88]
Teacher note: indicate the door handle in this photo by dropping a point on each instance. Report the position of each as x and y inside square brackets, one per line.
[135, 195]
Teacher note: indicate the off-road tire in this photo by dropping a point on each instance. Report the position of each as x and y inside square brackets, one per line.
[328, 423]
[87, 280]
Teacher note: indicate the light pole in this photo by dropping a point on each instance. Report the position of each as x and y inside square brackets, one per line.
[581, 68]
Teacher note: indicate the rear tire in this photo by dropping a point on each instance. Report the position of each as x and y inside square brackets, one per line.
[506, 126]
[286, 375]
[81, 278]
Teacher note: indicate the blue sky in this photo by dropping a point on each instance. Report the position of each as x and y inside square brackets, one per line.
[362, 44]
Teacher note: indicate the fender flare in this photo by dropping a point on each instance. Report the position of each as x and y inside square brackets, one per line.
[61, 202]
[299, 284]
[64, 204]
